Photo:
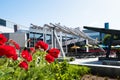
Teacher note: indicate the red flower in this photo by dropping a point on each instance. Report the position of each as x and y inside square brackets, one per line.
[24, 65]
[26, 55]
[8, 51]
[15, 57]
[41, 44]
[2, 51]
[54, 52]
[45, 46]
[32, 50]
[49, 58]
[29, 58]
[15, 44]
[3, 39]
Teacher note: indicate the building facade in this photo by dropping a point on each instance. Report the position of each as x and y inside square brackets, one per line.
[96, 35]
[55, 35]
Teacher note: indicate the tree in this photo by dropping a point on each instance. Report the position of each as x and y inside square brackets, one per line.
[107, 37]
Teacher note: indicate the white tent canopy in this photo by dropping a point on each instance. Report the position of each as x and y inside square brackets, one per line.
[73, 31]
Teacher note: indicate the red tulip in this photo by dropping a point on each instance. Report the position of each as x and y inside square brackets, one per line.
[8, 51]
[29, 58]
[15, 44]
[2, 51]
[26, 55]
[15, 57]
[49, 58]
[54, 52]
[3, 39]
[32, 50]
[24, 65]
[41, 44]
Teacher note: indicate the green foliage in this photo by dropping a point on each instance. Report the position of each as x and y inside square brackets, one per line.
[68, 59]
[106, 38]
[40, 69]
[65, 71]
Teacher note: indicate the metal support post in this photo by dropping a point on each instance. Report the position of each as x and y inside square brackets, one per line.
[44, 35]
[63, 54]
[66, 43]
[87, 48]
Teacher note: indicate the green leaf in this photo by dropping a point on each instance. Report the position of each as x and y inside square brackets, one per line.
[1, 73]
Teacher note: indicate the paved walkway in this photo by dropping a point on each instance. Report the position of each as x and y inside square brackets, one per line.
[86, 61]
[91, 62]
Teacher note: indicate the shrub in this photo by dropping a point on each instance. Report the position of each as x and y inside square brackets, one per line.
[37, 63]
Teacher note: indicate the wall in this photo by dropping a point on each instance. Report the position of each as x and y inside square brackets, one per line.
[20, 38]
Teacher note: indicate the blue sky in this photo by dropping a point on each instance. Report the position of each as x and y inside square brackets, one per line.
[71, 13]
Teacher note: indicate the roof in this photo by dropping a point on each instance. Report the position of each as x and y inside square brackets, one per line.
[103, 30]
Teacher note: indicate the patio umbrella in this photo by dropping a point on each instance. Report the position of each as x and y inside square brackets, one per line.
[75, 47]
[88, 45]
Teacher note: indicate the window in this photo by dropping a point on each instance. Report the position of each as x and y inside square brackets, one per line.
[2, 22]
[48, 38]
[34, 37]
